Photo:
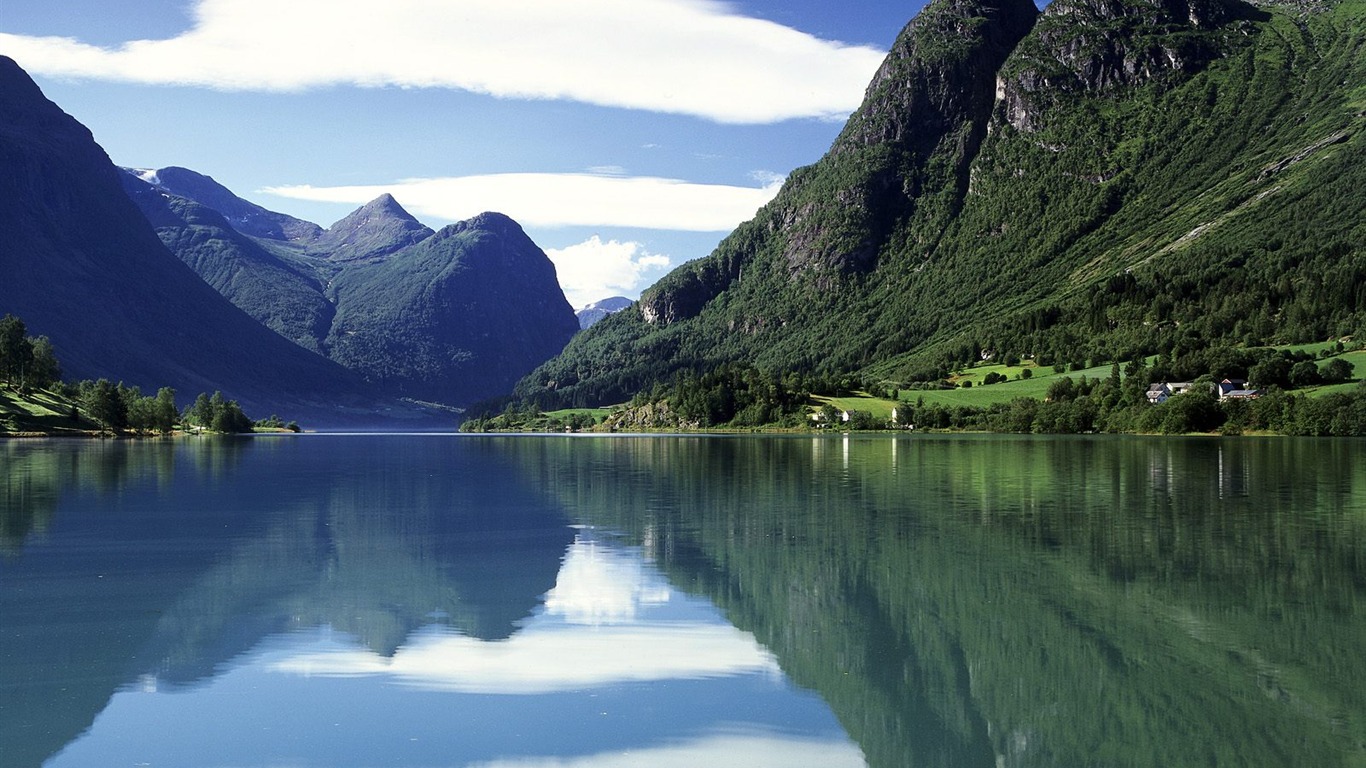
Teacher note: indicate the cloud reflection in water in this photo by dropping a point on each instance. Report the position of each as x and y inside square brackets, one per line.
[609, 620]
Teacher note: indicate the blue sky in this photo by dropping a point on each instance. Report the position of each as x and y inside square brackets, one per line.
[627, 136]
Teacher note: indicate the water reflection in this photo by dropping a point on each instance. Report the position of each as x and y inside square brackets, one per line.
[609, 620]
[970, 601]
[656, 653]
[357, 603]
[1022, 601]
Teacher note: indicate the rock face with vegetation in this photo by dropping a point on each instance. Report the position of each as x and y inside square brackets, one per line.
[83, 268]
[451, 317]
[1100, 181]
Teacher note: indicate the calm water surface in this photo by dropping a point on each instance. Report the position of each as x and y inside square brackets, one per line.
[334, 600]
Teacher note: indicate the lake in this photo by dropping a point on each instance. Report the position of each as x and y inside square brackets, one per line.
[536, 601]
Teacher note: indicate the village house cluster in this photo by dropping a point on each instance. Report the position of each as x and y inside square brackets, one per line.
[1228, 389]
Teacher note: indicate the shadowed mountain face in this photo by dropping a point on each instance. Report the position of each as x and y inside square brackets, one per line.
[80, 264]
[453, 317]
[1101, 180]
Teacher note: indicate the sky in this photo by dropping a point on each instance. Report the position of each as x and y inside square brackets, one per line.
[626, 136]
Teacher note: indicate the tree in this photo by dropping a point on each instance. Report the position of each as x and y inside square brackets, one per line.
[1191, 412]
[1271, 372]
[1305, 374]
[16, 351]
[201, 413]
[1337, 370]
[228, 417]
[104, 405]
[164, 411]
[1061, 390]
[45, 371]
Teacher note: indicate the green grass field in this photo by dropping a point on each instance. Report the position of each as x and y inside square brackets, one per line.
[36, 412]
[980, 396]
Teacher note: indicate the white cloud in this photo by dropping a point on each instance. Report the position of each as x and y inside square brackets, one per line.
[594, 632]
[691, 57]
[721, 750]
[561, 200]
[537, 661]
[595, 270]
[601, 584]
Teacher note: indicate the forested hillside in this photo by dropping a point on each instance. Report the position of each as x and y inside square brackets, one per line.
[1099, 182]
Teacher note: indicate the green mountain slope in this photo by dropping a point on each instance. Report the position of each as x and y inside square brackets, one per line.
[458, 317]
[1110, 179]
[284, 293]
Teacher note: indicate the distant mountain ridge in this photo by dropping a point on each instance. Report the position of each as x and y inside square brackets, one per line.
[244, 216]
[599, 310]
[1102, 180]
[450, 317]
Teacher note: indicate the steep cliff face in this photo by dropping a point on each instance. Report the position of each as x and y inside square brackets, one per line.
[1027, 181]
[1101, 46]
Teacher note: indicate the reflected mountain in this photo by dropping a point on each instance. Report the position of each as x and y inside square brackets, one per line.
[1022, 602]
[195, 552]
[963, 601]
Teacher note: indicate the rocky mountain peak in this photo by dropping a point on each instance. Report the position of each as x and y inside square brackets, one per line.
[375, 230]
[939, 70]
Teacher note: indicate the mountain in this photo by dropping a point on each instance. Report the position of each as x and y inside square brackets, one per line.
[244, 216]
[1095, 182]
[601, 309]
[80, 264]
[453, 317]
[279, 290]
[458, 317]
[377, 229]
